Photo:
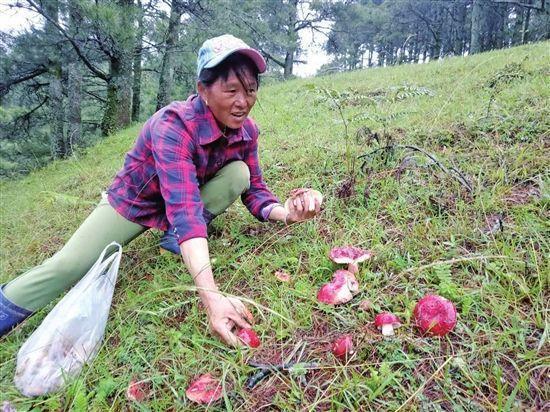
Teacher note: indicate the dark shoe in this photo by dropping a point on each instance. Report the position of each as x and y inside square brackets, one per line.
[169, 242]
[10, 314]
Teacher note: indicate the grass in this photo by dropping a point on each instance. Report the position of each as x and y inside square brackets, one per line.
[486, 115]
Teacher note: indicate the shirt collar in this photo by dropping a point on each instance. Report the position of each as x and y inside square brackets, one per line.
[208, 129]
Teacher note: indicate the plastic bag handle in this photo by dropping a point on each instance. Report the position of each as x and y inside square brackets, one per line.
[104, 264]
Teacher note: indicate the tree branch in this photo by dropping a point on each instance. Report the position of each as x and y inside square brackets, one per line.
[5, 85]
[84, 59]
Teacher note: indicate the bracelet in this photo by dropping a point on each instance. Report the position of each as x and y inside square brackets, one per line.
[286, 218]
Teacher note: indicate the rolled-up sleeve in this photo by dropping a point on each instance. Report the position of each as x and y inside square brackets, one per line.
[172, 149]
[258, 198]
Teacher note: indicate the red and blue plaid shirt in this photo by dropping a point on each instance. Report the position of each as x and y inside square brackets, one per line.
[178, 150]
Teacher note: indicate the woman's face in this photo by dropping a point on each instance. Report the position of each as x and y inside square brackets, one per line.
[229, 100]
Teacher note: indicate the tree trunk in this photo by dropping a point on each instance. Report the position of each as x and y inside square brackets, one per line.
[458, 40]
[57, 140]
[371, 47]
[518, 25]
[478, 30]
[525, 28]
[136, 87]
[289, 63]
[55, 101]
[167, 68]
[74, 91]
[119, 85]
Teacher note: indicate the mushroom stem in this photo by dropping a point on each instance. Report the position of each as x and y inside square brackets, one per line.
[353, 267]
[387, 329]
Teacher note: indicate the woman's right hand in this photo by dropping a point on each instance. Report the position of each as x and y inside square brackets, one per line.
[226, 313]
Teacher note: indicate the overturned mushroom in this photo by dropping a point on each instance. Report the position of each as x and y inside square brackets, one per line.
[342, 347]
[435, 315]
[387, 322]
[340, 290]
[249, 338]
[137, 391]
[204, 390]
[351, 255]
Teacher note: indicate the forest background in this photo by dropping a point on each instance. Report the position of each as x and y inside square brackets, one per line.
[89, 68]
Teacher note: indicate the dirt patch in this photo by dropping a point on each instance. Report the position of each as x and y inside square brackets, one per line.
[257, 230]
[176, 317]
[494, 223]
[539, 388]
[345, 189]
[52, 246]
[522, 194]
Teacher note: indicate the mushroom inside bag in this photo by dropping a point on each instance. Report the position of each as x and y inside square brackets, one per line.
[71, 334]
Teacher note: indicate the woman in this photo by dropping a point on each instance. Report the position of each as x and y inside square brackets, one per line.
[190, 162]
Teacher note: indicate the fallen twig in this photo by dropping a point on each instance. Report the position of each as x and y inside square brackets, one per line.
[452, 171]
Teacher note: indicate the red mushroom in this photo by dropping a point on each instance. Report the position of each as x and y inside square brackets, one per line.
[387, 322]
[342, 347]
[137, 391]
[204, 390]
[351, 255]
[435, 315]
[249, 338]
[340, 290]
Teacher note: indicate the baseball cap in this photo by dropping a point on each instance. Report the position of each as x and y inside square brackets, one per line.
[215, 50]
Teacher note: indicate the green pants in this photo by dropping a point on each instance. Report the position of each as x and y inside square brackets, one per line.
[43, 283]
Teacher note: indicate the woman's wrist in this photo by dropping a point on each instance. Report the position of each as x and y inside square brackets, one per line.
[287, 220]
[209, 296]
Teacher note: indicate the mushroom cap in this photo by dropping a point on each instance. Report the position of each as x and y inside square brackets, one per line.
[204, 390]
[435, 315]
[342, 347]
[249, 338]
[137, 391]
[386, 318]
[340, 290]
[349, 254]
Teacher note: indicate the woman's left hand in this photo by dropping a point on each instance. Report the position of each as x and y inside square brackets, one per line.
[303, 204]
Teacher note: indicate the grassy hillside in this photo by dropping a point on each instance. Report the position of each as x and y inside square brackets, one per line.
[479, 238]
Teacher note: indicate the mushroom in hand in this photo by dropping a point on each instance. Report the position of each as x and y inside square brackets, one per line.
[249, 338]
[435, 315]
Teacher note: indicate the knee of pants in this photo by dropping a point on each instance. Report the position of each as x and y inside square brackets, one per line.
[240, 177]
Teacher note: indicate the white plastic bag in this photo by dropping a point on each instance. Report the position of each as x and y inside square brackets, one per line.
[71, 334]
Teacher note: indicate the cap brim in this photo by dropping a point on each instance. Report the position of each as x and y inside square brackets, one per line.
[254, 55]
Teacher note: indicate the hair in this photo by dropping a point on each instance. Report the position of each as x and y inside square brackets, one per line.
[237, 63]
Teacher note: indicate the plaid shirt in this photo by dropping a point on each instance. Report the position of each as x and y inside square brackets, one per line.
[178, 150]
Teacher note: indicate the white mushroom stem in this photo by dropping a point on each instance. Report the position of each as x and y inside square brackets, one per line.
[387, 329]
[353, 267]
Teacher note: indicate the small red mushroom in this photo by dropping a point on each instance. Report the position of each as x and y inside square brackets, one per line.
[137, 391]
[435, 315]
[342, 347]
[204, 390]
[387, 322]
[282, 275]
[249, 338]
[351, 255]
[341, 288]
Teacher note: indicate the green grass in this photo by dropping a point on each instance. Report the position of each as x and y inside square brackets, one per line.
[485, 115]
